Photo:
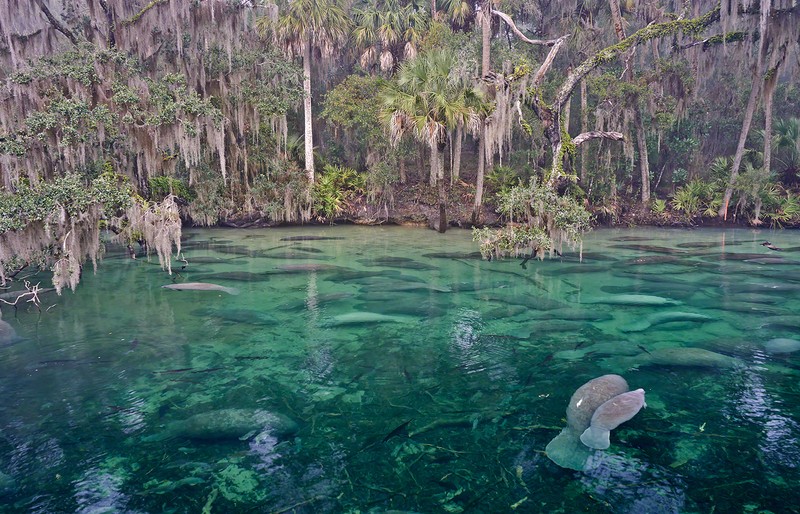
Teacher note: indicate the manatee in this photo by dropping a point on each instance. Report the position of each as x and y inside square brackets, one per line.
[566, 449]
[201, 286]
[215, 260]
[665, 317]
[572, 314]
[770, 260]
[311, 238]
[7, 333]
[7, 484]
[683, 357]
[228, 424]
[237, 315]
[359, 318]
[307, 268]
[651, 248]
[23, 294]
[609, 416]
[782, 345]
[632, 299]
[236, 276]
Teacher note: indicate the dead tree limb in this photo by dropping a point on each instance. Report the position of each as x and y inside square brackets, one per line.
[55, 23]
[506, 18]
[597, 134]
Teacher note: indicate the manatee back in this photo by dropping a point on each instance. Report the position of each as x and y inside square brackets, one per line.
[588, 397]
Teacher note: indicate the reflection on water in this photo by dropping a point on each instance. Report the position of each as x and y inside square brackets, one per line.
[376, 369]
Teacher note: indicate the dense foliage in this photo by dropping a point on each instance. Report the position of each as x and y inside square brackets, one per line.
[644, 111]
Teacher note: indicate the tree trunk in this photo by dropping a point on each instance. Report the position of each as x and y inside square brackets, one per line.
[766, 6]
[641, 139]
[402, 166]
[476, 210]
[309, 131]
[486, 37]
[584, 128]
[437, 175]
[644, 161]
[737, 157]
[434, 164]
[769, 89]
[457, 144]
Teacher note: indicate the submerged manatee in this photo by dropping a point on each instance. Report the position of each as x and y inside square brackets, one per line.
[7, 333]
[661, 318]
[566, 449]
[201, 286]
[782, 345]
[359, 318]
[7, 484]
[683, 357]
[609, 416]
[632, 299]
[228, 424]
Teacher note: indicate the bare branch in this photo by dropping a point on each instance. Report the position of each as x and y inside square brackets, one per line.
[597, 134]
[506, 18]
[551, 55]
[55, 23]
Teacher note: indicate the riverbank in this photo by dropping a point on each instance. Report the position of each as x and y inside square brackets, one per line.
[417, 205]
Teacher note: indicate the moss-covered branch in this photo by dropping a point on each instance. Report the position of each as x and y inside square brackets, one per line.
[133, 19]
[717, 39]
[658, 30]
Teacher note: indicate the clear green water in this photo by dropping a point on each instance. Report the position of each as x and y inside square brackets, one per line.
[445, 406]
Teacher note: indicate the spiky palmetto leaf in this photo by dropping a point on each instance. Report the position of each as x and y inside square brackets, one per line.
[427, 99]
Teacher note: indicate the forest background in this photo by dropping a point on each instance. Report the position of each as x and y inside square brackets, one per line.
[528, 120]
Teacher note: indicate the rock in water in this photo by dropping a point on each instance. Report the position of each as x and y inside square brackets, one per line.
[566, 449]
[201, 286]
[609, 416]
[228, 424]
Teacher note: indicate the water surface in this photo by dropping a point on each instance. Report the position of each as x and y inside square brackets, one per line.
[420, 377]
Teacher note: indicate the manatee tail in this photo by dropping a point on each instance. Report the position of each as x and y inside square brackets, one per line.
[231, 290]
[596, 438]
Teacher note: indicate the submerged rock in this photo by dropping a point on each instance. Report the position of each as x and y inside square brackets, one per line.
[609, 416]
[228, 424]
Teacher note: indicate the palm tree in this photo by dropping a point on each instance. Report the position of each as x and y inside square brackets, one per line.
[427, 100]
[787, 146]
[307, 25]
[388, 32]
